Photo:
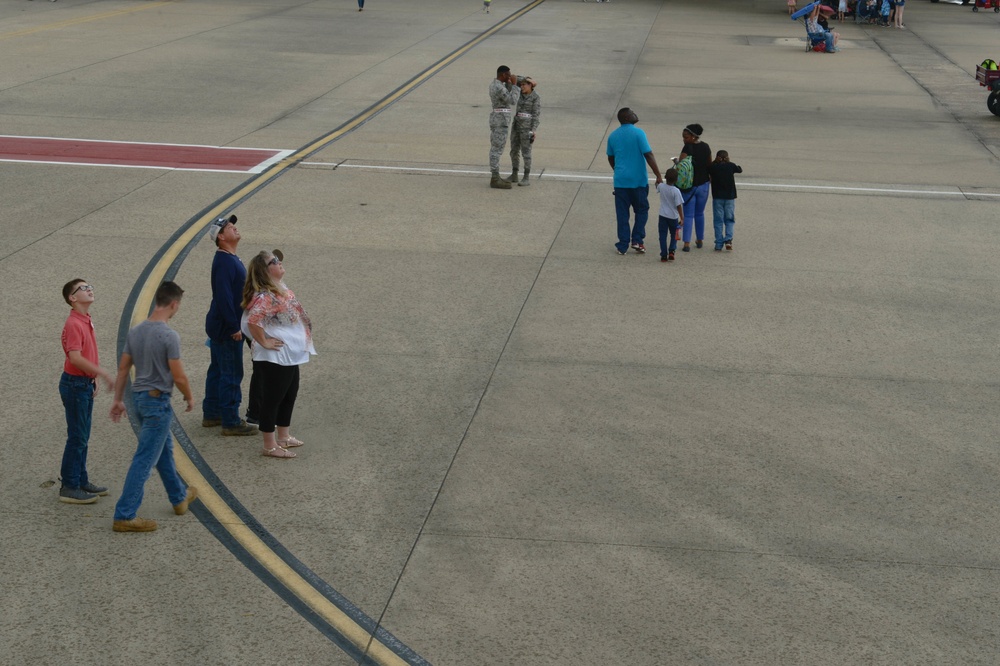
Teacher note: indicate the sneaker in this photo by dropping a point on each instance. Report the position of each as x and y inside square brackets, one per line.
[718, 248]
[96, 490]
[698, 243]
[636, 246]
[210, 423]
[670, 257]
[663, 257]
[620, 252]
[181, 509]
[252, 420]
[137, 524]
[729, 246]
[639, 248]
[76, 496]
[240, 430]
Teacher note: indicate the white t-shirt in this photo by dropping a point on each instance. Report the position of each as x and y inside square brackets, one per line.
[670, 199]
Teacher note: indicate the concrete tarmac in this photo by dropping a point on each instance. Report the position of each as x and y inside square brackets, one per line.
[521, 448]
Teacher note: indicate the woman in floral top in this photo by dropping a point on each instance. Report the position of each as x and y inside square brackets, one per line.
[282, 341]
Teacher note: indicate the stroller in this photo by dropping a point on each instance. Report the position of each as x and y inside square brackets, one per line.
[986, 4]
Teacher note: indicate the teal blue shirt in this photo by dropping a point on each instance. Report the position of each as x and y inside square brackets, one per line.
[628, 145]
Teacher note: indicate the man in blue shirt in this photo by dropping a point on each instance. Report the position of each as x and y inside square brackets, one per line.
[221, 405]
[628, 155]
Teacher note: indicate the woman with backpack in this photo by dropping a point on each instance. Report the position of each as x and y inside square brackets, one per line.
[696, 197]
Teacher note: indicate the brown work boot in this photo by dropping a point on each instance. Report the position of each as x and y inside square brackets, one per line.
[137, 524]
[242, 429]
[498, 182]
[181, 509]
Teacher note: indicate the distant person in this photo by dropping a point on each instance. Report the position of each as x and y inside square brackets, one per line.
[898, 17]
[522, 134]
[628, 154]
[723, 173]
[791, 7]
[696, 198]
[221, 404]
[154, 349]
[504, 93]
[486, 6]
[671, 214]
[77, 388]
[282, 341]
[361, 5]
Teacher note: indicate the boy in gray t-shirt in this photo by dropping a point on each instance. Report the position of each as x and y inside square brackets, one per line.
[155, 350]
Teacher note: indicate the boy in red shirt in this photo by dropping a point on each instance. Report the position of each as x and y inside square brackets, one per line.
[77, 387]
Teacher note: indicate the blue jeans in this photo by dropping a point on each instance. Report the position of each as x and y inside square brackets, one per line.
[222, 385]
[156, 448]
[636, 198]
[78, 400]
[695, 201]
[668, 235]
[723, 219]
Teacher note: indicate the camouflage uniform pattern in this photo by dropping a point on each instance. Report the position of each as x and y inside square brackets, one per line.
[520, 134]
[502, 96]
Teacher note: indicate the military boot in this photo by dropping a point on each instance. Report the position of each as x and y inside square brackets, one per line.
[524, 181]
[512, 178]
[498, 182]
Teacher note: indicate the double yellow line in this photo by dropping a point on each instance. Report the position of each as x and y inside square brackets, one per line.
[291, 579]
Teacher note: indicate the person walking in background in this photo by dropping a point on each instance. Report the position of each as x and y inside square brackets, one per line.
[155, 350]
[486, 6]
[221, 405]
[898, 16]
[696, 198]
[503, 96]
[282, 341]
[361, 5]
[671, 214]
[522, 135]
[628, 154]
[77, 388]
[723, 174]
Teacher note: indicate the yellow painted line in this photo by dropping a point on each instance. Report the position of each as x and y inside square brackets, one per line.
[84, 19]
[279, 568]
[260, 551]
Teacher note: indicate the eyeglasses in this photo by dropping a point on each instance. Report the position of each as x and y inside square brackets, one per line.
[274, 262]
[83, 286]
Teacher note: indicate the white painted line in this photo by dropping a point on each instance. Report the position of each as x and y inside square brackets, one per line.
[263, 166]
[125, 166]
[547, 175]
[140, 143]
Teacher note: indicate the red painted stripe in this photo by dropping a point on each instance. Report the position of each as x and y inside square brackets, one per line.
[77, 151]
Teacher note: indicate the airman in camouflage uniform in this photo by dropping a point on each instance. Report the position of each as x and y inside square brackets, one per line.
[503, 97]
[522, 135]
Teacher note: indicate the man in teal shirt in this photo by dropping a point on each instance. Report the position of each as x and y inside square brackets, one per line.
[628, 155]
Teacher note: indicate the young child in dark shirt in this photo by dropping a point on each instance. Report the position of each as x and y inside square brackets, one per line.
[723, 174]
